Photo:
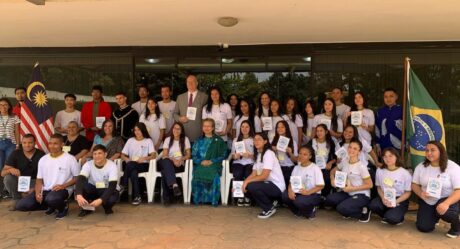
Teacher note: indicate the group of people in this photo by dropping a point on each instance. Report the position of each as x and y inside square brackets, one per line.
[332, 155]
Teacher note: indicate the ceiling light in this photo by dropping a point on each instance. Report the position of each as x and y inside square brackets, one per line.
[307, 59]
[152, 60]
[227, 60]
[227, 21]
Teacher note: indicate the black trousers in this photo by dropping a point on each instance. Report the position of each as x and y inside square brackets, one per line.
[287, 172]
[346, 205]
[427, 216]
[91, 193]
[168, 174]
[391, 215]
[264, 193]
[51, 199]
[303, 205]
[241, 171]
[132, 169]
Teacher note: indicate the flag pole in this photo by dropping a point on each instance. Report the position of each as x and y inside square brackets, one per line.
[406, 81]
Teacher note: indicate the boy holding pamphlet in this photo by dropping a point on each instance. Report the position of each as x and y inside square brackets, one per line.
[394, 189]
[304, 191]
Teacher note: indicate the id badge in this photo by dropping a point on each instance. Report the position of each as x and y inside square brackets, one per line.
[100, 185]
[66, 148]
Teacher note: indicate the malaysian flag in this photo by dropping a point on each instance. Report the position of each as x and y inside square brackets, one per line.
[36, 114]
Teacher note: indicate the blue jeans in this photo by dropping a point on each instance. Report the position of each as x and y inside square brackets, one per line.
[6, 148]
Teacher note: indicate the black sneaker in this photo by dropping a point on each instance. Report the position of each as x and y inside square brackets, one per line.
[312, 215]
[268, 214]
[122, 190]
[452, 234]
[177, 191]
[136, 201]
[108, 211]
[276, 204]
[61, 214]
[365, 216]
[84, 213]
[240, 202]
[50, 211]
[384, 221]
[247, 202]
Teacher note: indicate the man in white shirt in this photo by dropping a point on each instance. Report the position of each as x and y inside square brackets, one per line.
[167, 107]
[63, 117]
[140, 105]
[341, 108]
[57, 172]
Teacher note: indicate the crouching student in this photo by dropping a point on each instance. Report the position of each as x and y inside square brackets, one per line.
[266, 182]
[97, 183]
[56, 174]
[304, 201]
[443, 175]
[352, 200]
[394, 189]
[243, 161]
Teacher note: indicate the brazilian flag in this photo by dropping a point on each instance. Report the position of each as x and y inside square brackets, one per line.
[424, 119]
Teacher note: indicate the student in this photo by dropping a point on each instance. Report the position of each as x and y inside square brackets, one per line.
[93, 111]
[74, 143]
[97, 183]
[124, 116]
[141, 105]
[247, 113]
[208, 153]
[233, 100]
[155, 122]
[20, 94]
[325, 157]
[176, 150]
[431, 209]
[136, 154]
[56, 175]
[277, 114]
[22, 162]
[286, 159]
[111, 141]
[304, 202]
[341, 108]
[167, 106]
[392, 175]
[266, 182]
[366, 128]
[388, 121]
[242, 163]
[308, 115]
[9, 130]
[294, 119]
[63, 117]
[330, 118]
[263, 106]
[352, 200]
[220, 111]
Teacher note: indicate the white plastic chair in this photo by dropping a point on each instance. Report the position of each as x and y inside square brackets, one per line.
[120, 169]
[228, 179]
[182, 175]
[222, 181]
[148, 176]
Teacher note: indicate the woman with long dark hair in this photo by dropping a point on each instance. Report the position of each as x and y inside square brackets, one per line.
[367, 125]
[247, 113]
[330, 119]
[154, 122]
[288, 158]
[294, 119]
[263, 106]
[220, 111]
[308, 115]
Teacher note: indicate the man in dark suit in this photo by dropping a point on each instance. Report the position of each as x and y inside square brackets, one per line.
[187, 102]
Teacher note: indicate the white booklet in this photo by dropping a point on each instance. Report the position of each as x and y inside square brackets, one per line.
[296, 183]
[327, 122]
[282, 144]
[23, 183]
[238, 189]
[434, 187]
[240, 147]
[341, 153]
[191, 113]
[267, 123]
[340, 179]
[88, 207]
[99, 122]
[219, 125]
[356, 118]
[390, 195]
[320, 162]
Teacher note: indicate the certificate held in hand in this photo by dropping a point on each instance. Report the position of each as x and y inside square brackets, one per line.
[267, 123]
[99, 122]
[191, 113]
[434, 187]
[356, 118]
[390, 195]
[240, 147]
[296, 183]
[282, 144]
[23, 183]
[340, 179]
[238, 189]
[341, 153]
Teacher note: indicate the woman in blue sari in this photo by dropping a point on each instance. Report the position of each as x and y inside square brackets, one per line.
[208, 153]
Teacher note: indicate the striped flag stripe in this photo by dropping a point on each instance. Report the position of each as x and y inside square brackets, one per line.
[42, 141]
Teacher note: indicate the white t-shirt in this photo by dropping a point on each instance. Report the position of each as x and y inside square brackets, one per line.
[167, 109]
[57, 170]
[398, 179]
[356, 174]
[320, 118]
[294, 126]
[321, 150]
[135, 149]
[341, 110]
[450, 178]
[271, 133]
[237, 124]
[139, 107]
[221, 114]
[63, 118]
[362, 155]
[308, 136]
[175, 151]
[265, 112]
[283, 157]
[271, 162]
[249, 146]
[98, 176]
[368, 120]
[154, 125]
[311, 176]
